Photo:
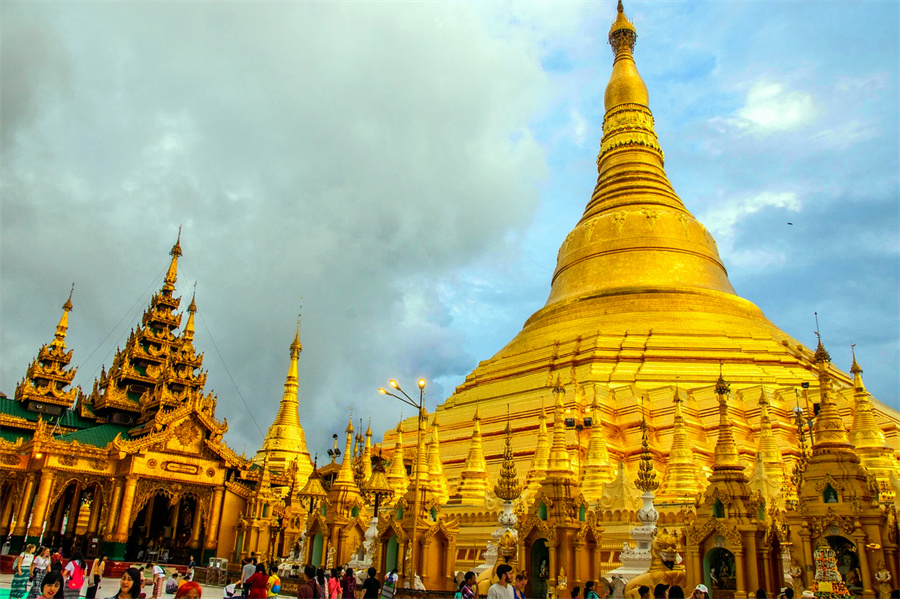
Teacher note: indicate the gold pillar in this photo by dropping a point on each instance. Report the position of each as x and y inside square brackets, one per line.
[194, 543]
[73, 510]
[212, 527]
[751, 561]
[7, 512]
[173, 518]
[58, 512]
[866, 574]
[124, 520]
[42, 499]
[771, 583]
[94, 520]
[25, 507]
[739, 574]
[553, 578]
[112, 510]
[148, 514]
[579, 551]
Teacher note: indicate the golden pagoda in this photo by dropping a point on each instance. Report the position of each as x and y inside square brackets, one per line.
[436, 476]
[598, 470]
[639, 302]
[397, 476]
[285, 441]
[682, 481]
[869, 440]
[474, 478]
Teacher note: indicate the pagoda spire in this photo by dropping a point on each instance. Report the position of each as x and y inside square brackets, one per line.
[188, 333]
[540, 461]
[829, 432]
[866, 436]
[345, 472]
[172, 273]
[475, 479]
[49, 374]
[285, 439]
[727, 464]
[508, 487]
[59, 339]
[767, 448]
[598, 470]
[344, 492]
[439, 485]
[366, 458]
[682, 478]
[397, 476]
[559, 465]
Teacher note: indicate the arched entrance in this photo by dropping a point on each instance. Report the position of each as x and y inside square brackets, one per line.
[391, 552]
[847, 560]
[539, 569]
[165, 531]
[317, 547]
[719, 573]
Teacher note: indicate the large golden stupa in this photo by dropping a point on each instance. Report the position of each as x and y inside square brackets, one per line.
[640, 313]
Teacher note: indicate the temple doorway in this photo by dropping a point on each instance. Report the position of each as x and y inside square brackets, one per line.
[390, 554]
[317, 548]
[847, 560]
[539, 570]
[165, 533]
[719, 573]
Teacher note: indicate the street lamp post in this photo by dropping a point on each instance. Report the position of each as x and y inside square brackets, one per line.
[420, 408]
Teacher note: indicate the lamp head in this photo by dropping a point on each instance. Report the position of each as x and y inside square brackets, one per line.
[382, 390]
[422, 383]
[394, 384]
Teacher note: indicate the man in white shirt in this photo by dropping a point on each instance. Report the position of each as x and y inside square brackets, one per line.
[502, 589]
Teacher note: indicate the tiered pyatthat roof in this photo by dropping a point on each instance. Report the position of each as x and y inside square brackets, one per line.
[540, 461]
[508, 487]
[49, 375]
[397, 476]
[158, 367]
[598, 470]
[285, 440]
[439, 485]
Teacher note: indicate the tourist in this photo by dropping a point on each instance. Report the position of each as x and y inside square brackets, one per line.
[51, 583]
[56, 556]
[257, 583]
[502, 589]
[229, 590]
[190, 569]
[467, 588]
[273, 586]
[94, 576]
[644, 591]
[576, 592]
[348, 585]
[129, 584]
[310, 588]
[320, 580]
[247, 570]
[519, 586]
[676, 592]
[661, 591]
[589, 592]
[73, 574]
[333, 590]
[158, 578]
[701, 592]
[39, 567]
[21, 573]
[370, 585]
[189, 590]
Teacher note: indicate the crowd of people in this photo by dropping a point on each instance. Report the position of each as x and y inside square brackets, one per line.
[258, 582]
[39, 573]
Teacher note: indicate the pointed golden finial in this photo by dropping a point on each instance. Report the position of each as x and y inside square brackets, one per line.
[598, 470]
[508, 487]
[188, 332]
[646, 480]
[767, 447]
[172, 273]
[439, 486]
[821, 356]
[726, 453]
[59, 338]
[622, 34]
[397, 476]
[559, 465]
[682, 480]
[474, 478]
[540, 461]
[855, 368]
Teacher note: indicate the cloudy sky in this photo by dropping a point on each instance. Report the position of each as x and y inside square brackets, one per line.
[410, 169]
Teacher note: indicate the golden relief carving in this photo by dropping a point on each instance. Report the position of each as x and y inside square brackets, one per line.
[619, 220]
[820, 524]
[10, 459]
[181, 468]
[68, 460]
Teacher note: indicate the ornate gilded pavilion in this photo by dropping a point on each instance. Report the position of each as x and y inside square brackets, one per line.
[138, 466]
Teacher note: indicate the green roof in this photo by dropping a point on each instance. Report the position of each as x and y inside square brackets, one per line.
[11, 435]
[70, 419]
[98, 436]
